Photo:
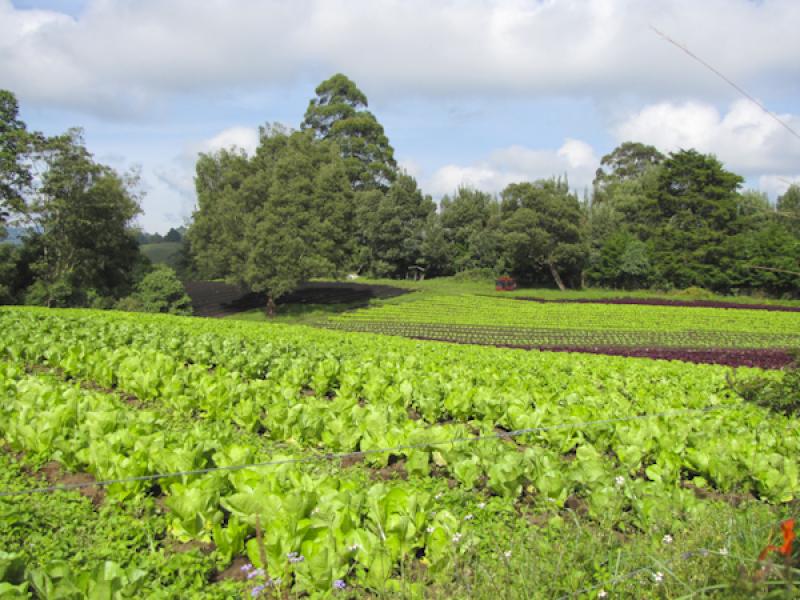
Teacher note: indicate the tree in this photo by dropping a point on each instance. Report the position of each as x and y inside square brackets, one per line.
[695, 208]
[789, 208]
[339, 113]
[471, 221]
[543, 228]
[216, 236]
[15, 147]
[392, 225]
[81, 212]
[627, 162]
[173, 235]
[277, 219]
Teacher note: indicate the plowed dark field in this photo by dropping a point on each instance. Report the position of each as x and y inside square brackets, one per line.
[218, 299]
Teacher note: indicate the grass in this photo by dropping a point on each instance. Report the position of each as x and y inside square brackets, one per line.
[167, 253]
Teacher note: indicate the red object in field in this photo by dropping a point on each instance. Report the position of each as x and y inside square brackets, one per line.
[505, 284]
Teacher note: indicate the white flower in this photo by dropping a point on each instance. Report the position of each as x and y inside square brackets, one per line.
[482, 505]
[667, 539]
[602, 594]
[456, 538]
[469, 518]
[507, 553]
[658, 577]
[437, 496]
[431, 529]
[723, 551]
[619, 480]
[355, 548]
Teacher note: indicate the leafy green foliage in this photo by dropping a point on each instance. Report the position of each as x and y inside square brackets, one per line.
[160, 291]
[224, 393]
[339, 113]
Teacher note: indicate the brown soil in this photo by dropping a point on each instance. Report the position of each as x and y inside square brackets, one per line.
[355, 459]
[396, 469]
[233, 572]
[731, 498]
[176, 547]
[577, 505]
[54, 473]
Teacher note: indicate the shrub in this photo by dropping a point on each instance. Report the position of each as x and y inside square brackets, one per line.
[160, 291]
[781, 396]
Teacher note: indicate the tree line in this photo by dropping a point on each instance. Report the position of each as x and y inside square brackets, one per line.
[328, 199]
[79, 246]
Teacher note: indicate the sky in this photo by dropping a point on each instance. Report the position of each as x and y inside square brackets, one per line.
[470, 92]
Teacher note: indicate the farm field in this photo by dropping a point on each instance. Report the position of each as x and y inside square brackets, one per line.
[388, 467]
[736, 336]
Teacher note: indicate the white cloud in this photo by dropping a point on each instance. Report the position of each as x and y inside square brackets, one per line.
[244, 138]
[514, 164]
[775, 185]
[121, 56]
[745, 138]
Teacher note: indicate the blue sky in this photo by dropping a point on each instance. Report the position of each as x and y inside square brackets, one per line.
[475, 92]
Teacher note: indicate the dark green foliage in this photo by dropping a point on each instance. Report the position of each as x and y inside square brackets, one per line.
[627, 162]
[392, 226]
[15, 146]
[543, 235]
[275, 220]
[623, 261]
[781, 396]
[339, 113]
[82, 213]
[160, 291]
[789, 209]
[471, 222]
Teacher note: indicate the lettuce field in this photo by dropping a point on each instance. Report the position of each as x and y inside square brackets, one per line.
[735, 336]
[167, 457]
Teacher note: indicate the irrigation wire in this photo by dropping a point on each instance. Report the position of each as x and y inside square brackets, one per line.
[359, 453]
[728, 81]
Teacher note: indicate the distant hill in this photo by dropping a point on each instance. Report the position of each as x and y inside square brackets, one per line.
[166, 253]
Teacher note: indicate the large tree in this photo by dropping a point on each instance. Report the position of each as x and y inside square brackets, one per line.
[81, 213]
[16, 146]
[392, 226]
[339, 113]
[696, 207]
[627, 162]
[272, 221]
[471, 223]
[543, 228]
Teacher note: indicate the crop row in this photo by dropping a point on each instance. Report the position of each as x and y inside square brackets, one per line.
[216, 393]
[559, 338]
[532, 321]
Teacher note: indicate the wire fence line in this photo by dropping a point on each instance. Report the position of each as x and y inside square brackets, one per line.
[331, 456]
[727, 80]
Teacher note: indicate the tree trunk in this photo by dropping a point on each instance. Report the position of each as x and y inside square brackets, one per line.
[271, 308]
[556, 276]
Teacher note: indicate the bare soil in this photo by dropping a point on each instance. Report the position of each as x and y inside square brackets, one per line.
[218, 299]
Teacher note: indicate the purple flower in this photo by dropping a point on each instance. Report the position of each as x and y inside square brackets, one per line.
[256, 591]
[246, 568]
[255, 573]
[339, 584]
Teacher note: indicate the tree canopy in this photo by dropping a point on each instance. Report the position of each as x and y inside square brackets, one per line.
[339, 113]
